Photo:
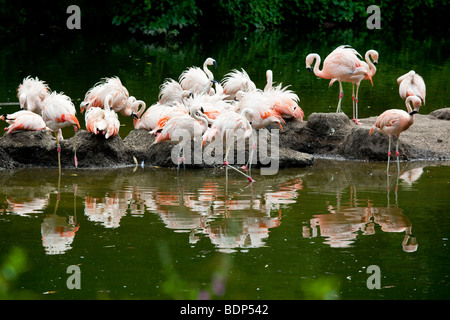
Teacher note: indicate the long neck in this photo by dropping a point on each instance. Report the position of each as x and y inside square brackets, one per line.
[208, 73]
[140, 110]
[269, 77]
[108, 102]
[372, 67]
[317, 72]
[416, 103]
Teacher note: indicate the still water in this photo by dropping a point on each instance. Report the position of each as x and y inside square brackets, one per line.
[148, 233]
[308, 233]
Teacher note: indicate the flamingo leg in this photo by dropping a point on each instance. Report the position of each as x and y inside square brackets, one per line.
[341, 95]
[250, 157]
[225, 162]
[58, 149]
[389, 155]
[353, 100]
[75, 147]
[355, 115]
[397, 154]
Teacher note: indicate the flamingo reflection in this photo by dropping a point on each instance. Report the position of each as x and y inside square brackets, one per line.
[344, 223]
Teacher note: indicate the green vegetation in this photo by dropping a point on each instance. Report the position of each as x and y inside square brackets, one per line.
[169, 17]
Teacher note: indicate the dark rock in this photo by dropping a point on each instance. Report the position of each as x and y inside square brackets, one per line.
[442, 114]
[322, 134]
[96, 151]
[30, 147]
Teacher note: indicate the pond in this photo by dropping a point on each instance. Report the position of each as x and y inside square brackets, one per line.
[304, 233]
[147, 233]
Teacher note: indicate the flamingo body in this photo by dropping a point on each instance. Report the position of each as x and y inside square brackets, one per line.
[24, 120]
[31, 94]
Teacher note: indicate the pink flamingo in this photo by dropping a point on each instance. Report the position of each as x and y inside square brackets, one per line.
[235, 81]
[103, 121]
[24, 120]
[342, 64]
[356, 79]
[394, 121]
[411, 84]
[284, 101]
[155, 117]
[193, 125]
[121, 101]
[31, 93]
[196, 80]
[58, 112]
[228, 125]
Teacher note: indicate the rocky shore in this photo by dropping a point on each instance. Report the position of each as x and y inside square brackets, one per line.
[327, 135]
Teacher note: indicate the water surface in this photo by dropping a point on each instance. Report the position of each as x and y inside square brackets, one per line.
[148, 233]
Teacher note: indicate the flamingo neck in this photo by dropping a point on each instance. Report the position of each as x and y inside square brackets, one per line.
[269, 77]
[372, 67]
[318, 72]
[207, 71]
[108, 102]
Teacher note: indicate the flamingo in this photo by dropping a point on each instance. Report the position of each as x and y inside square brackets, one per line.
[194, 124]
[24, 120]
[58, 112]
[103, 121]
[227, 125]
[371, 69]
[283, 100]
[155, 117]
[261, 108]
[171, 92]
[121, 101]
[195, 79]
[342, 64]
[411, 84]
[235, 81]
[393, 122]
[31, 93]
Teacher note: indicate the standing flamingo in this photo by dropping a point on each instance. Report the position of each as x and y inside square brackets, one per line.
[31, 93]
[58, 112]
[342, 65]
[411, 84]
[356, 79]
[103, 121]
[196, 80]
[394, 121]
[193, 125]
[228, 125]
[24, 120]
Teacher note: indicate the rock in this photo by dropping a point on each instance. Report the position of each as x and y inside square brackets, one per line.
[442, 114]
[323, 135]
[96, 151]
[30, 147]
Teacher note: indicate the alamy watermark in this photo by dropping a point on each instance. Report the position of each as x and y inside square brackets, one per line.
[374, 280]
[74, 20]
[262, 147]
[374, 20]
[74, 280]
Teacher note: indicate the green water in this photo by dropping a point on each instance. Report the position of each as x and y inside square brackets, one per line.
[303, 233]
[148, 234]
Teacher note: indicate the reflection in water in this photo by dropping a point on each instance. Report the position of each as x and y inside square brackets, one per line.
[58, 233]
[232, 217]
[346, 222]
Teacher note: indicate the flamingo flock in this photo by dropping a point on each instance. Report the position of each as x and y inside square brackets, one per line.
[197, 106]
